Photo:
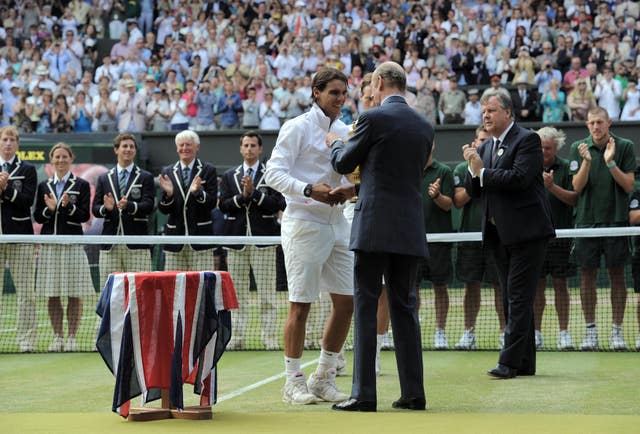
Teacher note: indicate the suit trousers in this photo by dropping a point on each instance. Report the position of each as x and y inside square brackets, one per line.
[21, 258]
[519, 266]
[263, 262]
[120, 258]
[400, 272]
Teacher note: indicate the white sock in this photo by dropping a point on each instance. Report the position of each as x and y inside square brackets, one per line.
[291, 366]
[328, 360]
[379, 341]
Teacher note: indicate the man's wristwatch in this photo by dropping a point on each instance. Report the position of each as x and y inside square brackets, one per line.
[308, 189]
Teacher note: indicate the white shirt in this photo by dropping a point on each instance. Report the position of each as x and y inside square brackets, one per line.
[302, 157]
[472, 113]
[609, 97]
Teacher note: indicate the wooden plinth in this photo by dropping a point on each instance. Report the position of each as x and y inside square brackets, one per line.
[144, 414]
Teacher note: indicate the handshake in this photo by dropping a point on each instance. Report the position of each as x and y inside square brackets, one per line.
[332, 196]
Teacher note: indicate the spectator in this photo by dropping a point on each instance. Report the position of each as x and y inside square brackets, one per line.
[525, 102]
[61, 115]
[472, 113]
[157, 113]
[603, 167]
[545, 75]
[107, 69]
[426, 103]
[631, 98]
[269, 112]
[229, 106]
[43, 113]
[22, 114]
[523, 66]
[205, 102]
[581, 100]
[608, 92]
[121, 48]
[178, 112]
[104, 111]
[562, 198]
[576, 71]
[553, 103]
[82, 113]
[62, 204]
[131, 109]
[250, 108]
[452, 102]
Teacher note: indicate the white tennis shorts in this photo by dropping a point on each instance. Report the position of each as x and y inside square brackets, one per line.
[317, 258]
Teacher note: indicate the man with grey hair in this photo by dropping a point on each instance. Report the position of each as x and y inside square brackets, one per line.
[190, 193]
[382, 238]
[505, 172]
[562, 198]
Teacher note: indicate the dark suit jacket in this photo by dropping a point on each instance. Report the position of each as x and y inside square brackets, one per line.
[391, 144]
[513, 192]
[190, 214]
[17, 198]
[133, 220]
[64, 221]
[531, 104]
[255, 215]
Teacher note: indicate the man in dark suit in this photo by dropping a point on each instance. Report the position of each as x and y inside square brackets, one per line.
[190, 189]
[525, 102]
[124, 198]
[251, 208]
[18, 181]
[384, 239]
[506, 173]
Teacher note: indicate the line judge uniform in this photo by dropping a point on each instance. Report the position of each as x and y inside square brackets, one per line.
[189, 214]
[516, 226]
[138, 187]
[15, 215]
[255, 215]
[63, 269]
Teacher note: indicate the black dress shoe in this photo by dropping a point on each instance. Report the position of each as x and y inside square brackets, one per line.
[503, 371]
[355, 405]
[410, 403]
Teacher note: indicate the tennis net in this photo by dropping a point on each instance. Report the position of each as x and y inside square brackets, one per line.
[52, 284]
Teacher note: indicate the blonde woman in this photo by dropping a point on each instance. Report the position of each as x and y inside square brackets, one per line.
[581, 100]
[62, 205]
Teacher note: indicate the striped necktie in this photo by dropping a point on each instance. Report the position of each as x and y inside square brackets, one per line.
[250, 173]
[122, 182]
[185, 177]
[5, 167]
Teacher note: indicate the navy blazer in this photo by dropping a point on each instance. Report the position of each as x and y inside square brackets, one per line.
[190, 214]
[64, 220]
[255, 215]
[391, 144]
[513, 192]
[134, 219]
[17, 198]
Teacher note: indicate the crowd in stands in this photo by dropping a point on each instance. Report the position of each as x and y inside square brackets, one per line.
[247, 63]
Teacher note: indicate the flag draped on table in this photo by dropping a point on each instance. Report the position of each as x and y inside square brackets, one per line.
[162, 329]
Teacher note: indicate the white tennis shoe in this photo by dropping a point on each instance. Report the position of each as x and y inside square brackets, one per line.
[324, 387]
[296, 392]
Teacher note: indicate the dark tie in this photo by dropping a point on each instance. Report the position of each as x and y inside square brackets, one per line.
[122, 182]
[250, 173]
[494, 152]
[523, 96]
[5, 167]
[185, 177]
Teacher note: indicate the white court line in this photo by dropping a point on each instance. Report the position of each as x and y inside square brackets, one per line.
[260, 383]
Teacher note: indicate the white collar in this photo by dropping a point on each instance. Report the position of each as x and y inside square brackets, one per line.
[129, 168]
[64, 179]
[255, 167]
[504, 133]
[10, 162]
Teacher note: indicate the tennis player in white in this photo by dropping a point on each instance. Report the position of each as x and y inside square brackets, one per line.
[315, 236]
